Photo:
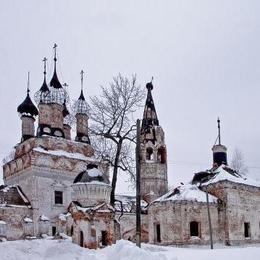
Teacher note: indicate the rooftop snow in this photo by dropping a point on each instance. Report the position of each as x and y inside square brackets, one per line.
[27, 220]
[187, 192]
[94, 172]
[225, 173]
[92, 182]
[77, 156]
[44, 218]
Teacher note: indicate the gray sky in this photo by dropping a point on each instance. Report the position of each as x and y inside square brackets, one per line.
[204, 57]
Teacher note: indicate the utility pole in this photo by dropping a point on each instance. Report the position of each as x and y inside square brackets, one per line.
[138, 195]
[209, 219]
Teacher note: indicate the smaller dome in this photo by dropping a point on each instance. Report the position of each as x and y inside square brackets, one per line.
[27, 107]
[43, 94]
[149, 86]
[81, 106]
[55, 83]
[91, 174]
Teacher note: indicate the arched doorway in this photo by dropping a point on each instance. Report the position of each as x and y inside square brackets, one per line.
[149, 154]
[194, 229]
[81, 239]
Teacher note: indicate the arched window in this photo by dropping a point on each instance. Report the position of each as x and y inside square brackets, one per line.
[161, 155]
[149, 154]
[194, 229]
[81, 239]
[71, 231]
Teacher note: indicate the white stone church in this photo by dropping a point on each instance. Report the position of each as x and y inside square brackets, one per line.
[54, 185]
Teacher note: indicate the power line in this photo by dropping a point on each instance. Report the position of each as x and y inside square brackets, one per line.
[202, 164]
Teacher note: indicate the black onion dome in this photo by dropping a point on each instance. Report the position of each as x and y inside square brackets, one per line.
[81, 106]
[43, 94]
[44, 87]
[55, 83]
[27, 107]
[81, 96]
[149, 86]
[91, 174]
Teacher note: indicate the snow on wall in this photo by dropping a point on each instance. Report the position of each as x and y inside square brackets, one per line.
[186, 192]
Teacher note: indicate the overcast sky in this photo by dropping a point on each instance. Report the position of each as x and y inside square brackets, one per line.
[204, 57]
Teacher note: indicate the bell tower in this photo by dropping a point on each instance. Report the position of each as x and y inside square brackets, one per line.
[153, 176]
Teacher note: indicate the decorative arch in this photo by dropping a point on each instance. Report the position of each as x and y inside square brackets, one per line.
[149, 154]
[162, 155]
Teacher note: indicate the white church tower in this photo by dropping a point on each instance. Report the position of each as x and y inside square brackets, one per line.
[154, 180]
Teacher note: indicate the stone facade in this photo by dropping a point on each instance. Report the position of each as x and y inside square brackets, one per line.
[170, 222]
[240, 206]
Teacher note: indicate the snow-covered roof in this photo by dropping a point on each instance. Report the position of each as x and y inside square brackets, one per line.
[102, 207]
[63, 217]
[44, 218]
[77, 156]
[92, 175]
[93, 182]
[94, 172]
[188, 192]
[13, 196]
[223, 173]
[2, 222]
[27, 220]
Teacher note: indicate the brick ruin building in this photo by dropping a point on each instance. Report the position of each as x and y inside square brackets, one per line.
[55, 185]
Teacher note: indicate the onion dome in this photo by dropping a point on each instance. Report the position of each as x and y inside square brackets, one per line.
[43, 94]
[81, 106]
[27, 107]
[57, 93]
[92, 174]
[219, 150]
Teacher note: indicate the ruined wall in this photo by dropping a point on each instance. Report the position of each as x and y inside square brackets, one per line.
[128, 226]
[91, 227]
[242, 205]
[15, 227]
[174, 218]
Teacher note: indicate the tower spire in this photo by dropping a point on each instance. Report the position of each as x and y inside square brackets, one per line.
[150, 118]
[44, 67]
[81, 80]
[28, 83]
[219, 136]
[55, 83]
[55, 55]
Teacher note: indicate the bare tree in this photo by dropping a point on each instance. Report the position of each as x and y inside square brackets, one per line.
[238, 163]
[113, 125]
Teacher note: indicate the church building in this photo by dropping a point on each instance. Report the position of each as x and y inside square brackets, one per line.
[55, 185]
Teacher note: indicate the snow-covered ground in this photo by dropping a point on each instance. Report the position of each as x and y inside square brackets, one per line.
[123, 250]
